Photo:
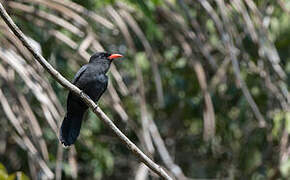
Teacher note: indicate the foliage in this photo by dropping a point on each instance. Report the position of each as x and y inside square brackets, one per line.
[190, 56]
[5, 176]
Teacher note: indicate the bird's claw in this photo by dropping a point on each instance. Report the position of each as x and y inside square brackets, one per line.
[82, 93]
[95, 108]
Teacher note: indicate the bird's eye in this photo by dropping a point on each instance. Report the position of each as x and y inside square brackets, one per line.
[105, 55]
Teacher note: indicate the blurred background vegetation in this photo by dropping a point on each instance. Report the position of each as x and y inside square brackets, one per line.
[202, 90]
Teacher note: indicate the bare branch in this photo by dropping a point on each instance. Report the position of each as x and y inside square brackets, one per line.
[97, 110]
[232, 51]
[73, 162]
[26, 141]
[149, 52]
[50, 17]
[59, 157]
[78, 8]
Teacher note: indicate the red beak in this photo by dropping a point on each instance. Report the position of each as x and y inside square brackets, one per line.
[114, 56]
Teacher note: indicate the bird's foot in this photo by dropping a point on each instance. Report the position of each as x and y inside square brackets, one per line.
[95, 108]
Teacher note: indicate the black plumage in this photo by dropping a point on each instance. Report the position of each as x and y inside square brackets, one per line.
[93, 81]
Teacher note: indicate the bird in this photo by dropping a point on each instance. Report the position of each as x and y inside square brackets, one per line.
[92, 80]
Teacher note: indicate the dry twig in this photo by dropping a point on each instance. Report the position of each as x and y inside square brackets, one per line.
[97, 110]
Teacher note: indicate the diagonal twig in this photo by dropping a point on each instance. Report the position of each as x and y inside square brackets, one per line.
[97, 110]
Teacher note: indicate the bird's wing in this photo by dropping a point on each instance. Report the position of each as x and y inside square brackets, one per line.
[103, 89]
[79, 73]
[100, 89]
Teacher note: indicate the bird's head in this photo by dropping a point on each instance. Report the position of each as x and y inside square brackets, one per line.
[104, 56]
[102, 60]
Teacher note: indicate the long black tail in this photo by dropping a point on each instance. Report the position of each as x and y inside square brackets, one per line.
[70, 128]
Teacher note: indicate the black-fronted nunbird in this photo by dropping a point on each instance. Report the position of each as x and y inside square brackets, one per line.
[93, 81]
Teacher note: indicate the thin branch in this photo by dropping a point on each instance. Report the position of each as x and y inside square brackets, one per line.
[267, 48]
[219, 75]
[232, 51]
[149, 52]
[15, 61]
[73, 162]
[148, 123]
[85, 12]
[59, 158]
[117, 103]
[30, 117]
[47, 16]
[144, 111]
[97, 110]
[142, 172]
[27, 144]
[199, 35]
[208, 112]
[123, 88]
[68, 14]
[32, 167]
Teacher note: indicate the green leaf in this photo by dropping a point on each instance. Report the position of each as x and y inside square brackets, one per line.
[285, 168]
[3, 172]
